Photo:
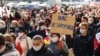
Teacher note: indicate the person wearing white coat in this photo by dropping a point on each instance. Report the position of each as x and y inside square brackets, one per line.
[24, 40]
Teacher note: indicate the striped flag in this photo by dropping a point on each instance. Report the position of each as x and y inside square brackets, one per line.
[19, 47]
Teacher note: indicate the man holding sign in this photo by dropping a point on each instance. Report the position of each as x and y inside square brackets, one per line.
[63, 24]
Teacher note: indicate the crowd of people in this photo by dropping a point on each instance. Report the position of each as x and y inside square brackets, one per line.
[27, 32]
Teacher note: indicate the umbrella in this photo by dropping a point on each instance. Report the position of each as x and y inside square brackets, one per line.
[22, 3]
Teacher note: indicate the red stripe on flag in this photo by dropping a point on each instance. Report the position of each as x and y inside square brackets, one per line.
[19, 48]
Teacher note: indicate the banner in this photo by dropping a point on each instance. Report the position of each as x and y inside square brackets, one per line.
[62, 24]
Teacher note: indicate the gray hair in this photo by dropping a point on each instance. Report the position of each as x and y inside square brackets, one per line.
[37, 37]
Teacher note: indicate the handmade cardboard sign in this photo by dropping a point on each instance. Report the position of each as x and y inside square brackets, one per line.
[62, 24]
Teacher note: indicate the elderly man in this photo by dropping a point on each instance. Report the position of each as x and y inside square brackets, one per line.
[39, 48]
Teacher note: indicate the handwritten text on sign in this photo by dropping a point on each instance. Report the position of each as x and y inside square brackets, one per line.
[62, 24]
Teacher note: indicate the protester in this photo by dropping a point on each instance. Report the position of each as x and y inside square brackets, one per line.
[39, 48]
[14, 26]
[2, 26]
[57, 46]
[84, 19]
[13, 39]
[6, 49]
[8, 38]
[40, 30]
[83, 43]
[17, 14]
[23, 42]
[97, 44]
[92, 27]
[37, 21]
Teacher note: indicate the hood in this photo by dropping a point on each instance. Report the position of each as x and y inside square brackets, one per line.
[2, 24]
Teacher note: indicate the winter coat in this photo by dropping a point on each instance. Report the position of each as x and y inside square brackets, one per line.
[26, 44]
[83, 45]
[57, 50]
[10, 51]
[43, 52]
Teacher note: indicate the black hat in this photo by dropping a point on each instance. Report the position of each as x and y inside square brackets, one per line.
[22, 29]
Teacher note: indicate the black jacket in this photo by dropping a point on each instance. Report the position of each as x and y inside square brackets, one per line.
[83, 45]
[54, 47]
[43, 52]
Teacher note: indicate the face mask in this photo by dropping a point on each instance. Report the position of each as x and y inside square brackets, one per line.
[37, 48]
[1, 25]
[43, 27]
[90, 22]
[2, 49]
[82, 31]
[54, 39]
[20, 34]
